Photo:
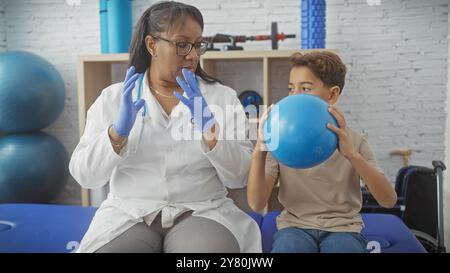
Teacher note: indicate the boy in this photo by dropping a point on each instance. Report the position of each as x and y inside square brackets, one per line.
[322, 203]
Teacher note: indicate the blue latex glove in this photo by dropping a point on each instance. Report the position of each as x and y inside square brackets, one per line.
[202, 117]
[128, 109]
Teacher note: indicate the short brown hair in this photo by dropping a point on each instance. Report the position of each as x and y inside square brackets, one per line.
[325, 65]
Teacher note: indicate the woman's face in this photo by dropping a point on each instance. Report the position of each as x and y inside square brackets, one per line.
[167, 62]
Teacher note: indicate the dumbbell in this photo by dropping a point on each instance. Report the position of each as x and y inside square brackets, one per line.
[274, 37]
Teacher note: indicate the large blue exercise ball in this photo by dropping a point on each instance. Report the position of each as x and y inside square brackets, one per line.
[33, 168]
[32, 92]
[296, 131]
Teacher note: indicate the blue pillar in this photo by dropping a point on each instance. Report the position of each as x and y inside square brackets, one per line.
[313, 32]
[103, 27]
[119, 25]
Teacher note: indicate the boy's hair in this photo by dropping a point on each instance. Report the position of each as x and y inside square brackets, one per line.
[326, 66]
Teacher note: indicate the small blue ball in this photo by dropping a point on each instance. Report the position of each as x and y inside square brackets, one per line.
[297, 134]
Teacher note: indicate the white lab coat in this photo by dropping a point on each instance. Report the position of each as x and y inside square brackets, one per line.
[156, 173]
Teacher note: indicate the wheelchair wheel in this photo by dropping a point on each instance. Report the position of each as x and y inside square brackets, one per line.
[428, 242]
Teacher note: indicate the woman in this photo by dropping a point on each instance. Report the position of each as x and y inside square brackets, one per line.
[167, 193]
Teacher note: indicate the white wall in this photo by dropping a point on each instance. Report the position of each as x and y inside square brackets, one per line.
[2, 27]
[396, 53]
[397, 58]
[447, 160]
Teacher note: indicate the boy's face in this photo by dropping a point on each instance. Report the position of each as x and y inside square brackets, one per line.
[302, 80]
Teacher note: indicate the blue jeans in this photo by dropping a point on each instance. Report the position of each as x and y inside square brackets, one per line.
[298, 240]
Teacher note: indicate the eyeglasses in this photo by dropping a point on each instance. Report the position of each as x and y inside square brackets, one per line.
[184, 48]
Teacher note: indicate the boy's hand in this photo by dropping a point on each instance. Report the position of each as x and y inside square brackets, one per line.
[345, 143]
[260, 145]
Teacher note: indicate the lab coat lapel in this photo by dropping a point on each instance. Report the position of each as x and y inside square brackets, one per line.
[153, 109]
[181, 111]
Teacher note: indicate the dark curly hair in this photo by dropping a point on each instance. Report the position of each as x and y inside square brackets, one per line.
[326, 65]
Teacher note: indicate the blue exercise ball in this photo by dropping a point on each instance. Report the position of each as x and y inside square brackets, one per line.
[297, 135]
[33, 168]
[32, 92]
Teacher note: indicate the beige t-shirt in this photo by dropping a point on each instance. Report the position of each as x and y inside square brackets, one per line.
[327, 196]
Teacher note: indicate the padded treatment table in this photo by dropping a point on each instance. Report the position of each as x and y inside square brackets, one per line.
[386, 233]
[48, 228]
[58, 228]
[43, 228]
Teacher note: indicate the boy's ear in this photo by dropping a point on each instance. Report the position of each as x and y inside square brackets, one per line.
[150, 45]
[335, 92]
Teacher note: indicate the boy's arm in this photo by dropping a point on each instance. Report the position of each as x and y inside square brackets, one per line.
[378, 185]
[260, 185]
[376, 182]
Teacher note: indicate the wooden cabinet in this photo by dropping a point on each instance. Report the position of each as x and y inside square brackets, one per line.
[265, 59]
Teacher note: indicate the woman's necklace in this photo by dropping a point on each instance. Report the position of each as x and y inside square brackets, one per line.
[163, 95]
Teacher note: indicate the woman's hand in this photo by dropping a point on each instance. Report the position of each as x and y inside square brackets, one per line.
[128, 109]
[202, 117]
[345, 142]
